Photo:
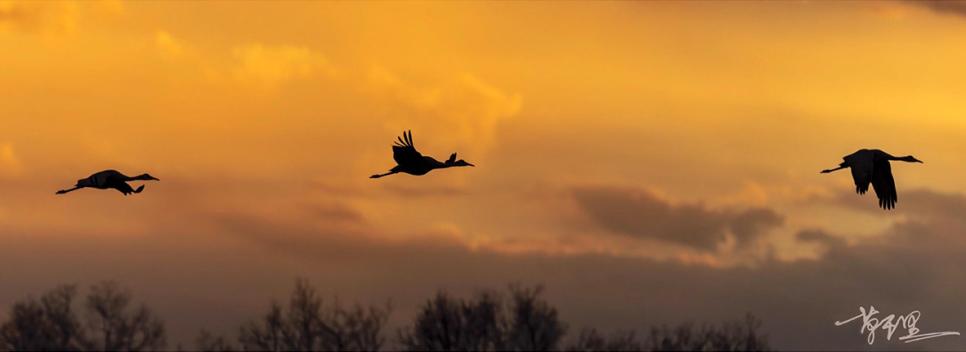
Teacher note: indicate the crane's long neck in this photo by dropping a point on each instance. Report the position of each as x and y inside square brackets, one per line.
[436, 164]
[144, 177]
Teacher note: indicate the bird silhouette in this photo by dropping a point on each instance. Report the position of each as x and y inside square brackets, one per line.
[410, 161]
[872, 166]
[110, 179]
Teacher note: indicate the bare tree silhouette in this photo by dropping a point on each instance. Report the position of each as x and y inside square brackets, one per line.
[308, 325]
[739, 335]
[114, 326]
[593, 340]
[51, 324]
[208, 341]
[485, 323]
[519, 320]
[268, 334]
[448, 324]
[47, 324]
[534, 325]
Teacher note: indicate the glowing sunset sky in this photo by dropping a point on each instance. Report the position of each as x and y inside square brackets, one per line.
[648, 162]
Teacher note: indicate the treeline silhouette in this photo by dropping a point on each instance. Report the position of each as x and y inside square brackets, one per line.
[519, 319]
[109, 322]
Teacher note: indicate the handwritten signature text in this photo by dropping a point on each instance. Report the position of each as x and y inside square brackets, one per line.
[891, 323]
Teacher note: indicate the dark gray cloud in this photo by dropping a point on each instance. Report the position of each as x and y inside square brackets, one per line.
[199, 281]
[915, 202]
[638, 213]
[820, 236]
[913, 265]
[952, 7]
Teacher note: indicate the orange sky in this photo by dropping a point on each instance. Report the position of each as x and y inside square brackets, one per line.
[271, 116]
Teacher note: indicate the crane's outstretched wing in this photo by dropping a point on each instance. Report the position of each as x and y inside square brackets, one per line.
[862, 168]
[125, 188]
[404, 151]
[884, 185]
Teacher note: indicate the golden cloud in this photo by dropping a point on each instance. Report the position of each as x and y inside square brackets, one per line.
[10, 165]
[169, 46]
[462, 112]
[269, 66]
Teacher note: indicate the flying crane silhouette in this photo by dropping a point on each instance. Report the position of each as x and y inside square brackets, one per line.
[872, 165]
[110, 179]
[409, 160]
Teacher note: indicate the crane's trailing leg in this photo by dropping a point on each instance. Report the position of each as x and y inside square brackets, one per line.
[68, 190]
[382, 175]
[830, 170]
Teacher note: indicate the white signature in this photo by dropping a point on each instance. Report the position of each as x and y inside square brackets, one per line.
[890, 323]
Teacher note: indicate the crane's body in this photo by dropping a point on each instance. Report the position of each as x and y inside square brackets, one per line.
[108, 179]
[419, 167]
[871, 166]
[410, 161]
